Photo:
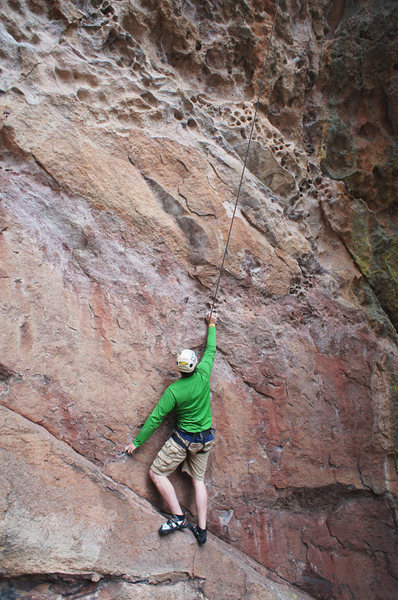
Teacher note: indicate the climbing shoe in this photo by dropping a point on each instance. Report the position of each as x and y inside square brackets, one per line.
[173, 523]
[200, 534]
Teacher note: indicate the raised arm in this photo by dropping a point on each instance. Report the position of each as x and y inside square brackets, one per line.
[206, 364]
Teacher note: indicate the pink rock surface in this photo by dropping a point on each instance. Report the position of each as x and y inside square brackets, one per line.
[77, 531]
[122, 130]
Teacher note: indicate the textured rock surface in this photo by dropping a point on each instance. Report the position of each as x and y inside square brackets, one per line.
[123, 126]
[97, 538]
[359, 140]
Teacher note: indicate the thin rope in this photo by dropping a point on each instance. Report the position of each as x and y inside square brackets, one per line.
[246, 156]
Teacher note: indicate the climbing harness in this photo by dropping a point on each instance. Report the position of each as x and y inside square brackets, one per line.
[246, 157]
[185, 439]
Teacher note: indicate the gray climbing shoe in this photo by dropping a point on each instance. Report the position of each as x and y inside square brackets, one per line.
[173, 523]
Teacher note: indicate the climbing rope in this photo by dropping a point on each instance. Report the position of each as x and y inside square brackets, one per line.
[246, 156]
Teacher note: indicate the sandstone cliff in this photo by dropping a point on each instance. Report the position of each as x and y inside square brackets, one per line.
[123, 127]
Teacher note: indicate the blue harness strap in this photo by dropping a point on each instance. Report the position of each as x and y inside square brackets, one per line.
[180, 436]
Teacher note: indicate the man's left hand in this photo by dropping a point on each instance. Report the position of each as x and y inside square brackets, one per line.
[130, 448]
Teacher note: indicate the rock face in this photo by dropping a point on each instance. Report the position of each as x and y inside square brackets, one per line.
[86, 529]
[360, 141]
[123, 127]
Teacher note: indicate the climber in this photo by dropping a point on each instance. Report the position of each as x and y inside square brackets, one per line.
[192, 439]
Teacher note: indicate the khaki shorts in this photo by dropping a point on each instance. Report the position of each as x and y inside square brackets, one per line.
[172, 454]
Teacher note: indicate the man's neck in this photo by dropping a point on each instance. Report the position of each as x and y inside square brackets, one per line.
[185, 375]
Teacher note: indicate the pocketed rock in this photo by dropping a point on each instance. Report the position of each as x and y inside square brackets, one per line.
[123, 127]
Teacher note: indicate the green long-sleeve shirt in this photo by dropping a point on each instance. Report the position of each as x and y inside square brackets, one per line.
[189, 396]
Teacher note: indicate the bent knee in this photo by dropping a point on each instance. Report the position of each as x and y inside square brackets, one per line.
[198, 483]
[154, 476]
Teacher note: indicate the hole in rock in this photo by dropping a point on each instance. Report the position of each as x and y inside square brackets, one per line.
[368, 131]
[63, 74]
[377, 174]
[82, 94]
[150, 98]
[107, 9]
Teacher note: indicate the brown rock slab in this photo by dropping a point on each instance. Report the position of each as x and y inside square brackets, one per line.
[72, 520]
[118, 134]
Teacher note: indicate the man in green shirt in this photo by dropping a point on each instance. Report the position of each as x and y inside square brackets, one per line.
[193, 438]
